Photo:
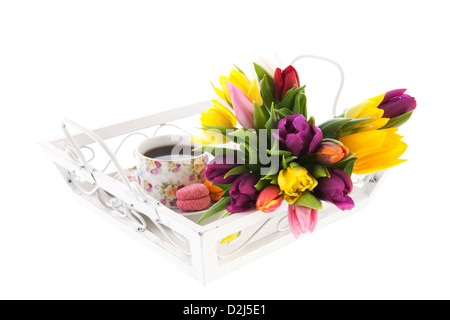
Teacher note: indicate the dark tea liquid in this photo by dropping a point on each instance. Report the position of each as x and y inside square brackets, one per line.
[171, 153]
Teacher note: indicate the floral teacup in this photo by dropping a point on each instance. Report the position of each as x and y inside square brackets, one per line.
[161, 177]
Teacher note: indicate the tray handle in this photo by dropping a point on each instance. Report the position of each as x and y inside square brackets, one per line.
[74, 147]
[337, 65]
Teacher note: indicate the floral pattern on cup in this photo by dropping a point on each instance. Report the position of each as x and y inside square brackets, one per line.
[162, 179]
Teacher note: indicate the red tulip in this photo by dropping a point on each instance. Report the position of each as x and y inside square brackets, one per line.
[285, 80]
[269, 199]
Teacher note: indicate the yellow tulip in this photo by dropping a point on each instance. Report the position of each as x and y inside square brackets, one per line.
[293, 181]
[368, 109]
[241, 81]
[218, 115]
[375, 150]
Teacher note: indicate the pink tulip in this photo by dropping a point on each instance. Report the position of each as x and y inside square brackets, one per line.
[243, 107]
[302, 219]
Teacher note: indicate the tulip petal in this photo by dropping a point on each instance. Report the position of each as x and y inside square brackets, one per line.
[398, 106]
[239, 80]
[243, 107]
[302, 220]
[368, 109]
[392, 94]
[290, 78]
[294, 223]
[314, 220]
[346, 203]
[225, 113]
[375, 150]
[278, 83]
[269, 199]
[348, 184]
[253, 93]
[316, 140]
[294, 143]
[303, 216]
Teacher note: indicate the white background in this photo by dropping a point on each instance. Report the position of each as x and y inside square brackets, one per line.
[102, 62]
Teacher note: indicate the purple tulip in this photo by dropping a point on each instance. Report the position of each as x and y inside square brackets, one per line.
[336, 189]
[298, 136]
[243, 193]
[218, 168]
[396, 103]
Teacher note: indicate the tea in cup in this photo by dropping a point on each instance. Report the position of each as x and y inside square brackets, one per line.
[168, 163]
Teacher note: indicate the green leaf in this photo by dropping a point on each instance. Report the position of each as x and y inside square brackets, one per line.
[261, 73]
[223, 129]
[259, 117]
[267, 93]
[349, 156]
[253, 157]
[237, 170]
[289, 97]
[300, 105]
[219, 206]
[319, 171]
[279, 153]
[354, 130]
[271, 122]
[238, 69]
[346, 164]
[355, 122]
[247, 141]
[333, 140]
[349, 166]
[226, 192]
[225, 214]
[224, 187]
[398, 121]
[269, 176]
[303, 107]
[308, 200]
[290, 159]
[332, 128]
[294, 164]
[284, 112]
[244, 135]
[285, 165]
[262, 184]
[312, 120]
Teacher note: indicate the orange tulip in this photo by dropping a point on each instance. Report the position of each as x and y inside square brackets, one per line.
[329, 152]
[269, 199]
[214, 192]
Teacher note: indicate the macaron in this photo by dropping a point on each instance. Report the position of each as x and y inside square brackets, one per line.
[194, 197]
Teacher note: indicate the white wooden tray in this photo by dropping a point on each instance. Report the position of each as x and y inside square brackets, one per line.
[195, 248]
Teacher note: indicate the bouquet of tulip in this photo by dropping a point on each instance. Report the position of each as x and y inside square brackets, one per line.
[278, 153]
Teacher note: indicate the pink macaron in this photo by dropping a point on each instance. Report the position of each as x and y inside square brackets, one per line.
[193, 197]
